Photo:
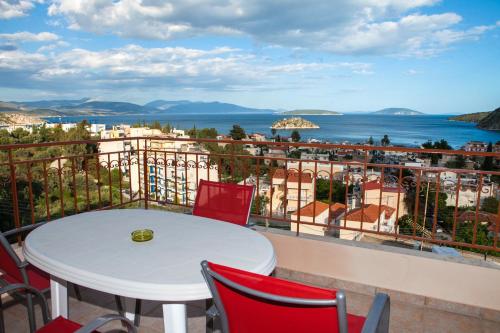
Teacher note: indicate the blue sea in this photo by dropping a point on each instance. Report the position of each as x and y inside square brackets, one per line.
[354, 128]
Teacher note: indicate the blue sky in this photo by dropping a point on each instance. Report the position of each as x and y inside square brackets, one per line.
[345, 55]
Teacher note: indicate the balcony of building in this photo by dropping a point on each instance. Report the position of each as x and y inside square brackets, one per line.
[392, 252]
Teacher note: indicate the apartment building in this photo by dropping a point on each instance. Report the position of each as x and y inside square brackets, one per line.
[286, 187]
[371, 217]
[390, 195]
[320, 214]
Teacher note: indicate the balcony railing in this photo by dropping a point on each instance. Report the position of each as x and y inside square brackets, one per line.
[454, 204]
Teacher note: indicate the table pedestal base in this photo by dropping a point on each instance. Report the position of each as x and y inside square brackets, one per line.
[174, 318]
[58, 297]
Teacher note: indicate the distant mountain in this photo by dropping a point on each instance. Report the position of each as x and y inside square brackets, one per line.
[9, 107]
[310, 112]
[398, 112]
[53, 104]
[470, 117]
[164, 105]
[213, 107]
[112, 107]
[90, 107]
[491, 121]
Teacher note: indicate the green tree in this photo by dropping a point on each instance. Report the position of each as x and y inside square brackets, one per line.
[193, 132]
[207, 133]
[441, 144]
[370, 141]
[490, 205]
[237, 133]
[295, 136]
[294, 154]
[488, 160]
[385, 140]
[167, 128]
[273, 132]
[323, 190]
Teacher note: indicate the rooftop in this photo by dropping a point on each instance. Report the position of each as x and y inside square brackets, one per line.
[370, 213]
[412, 311]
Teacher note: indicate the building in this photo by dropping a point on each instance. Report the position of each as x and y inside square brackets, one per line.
[67, 126]
[315, 156]
[373, 191]
[323, 169]
[259, 137]
[371, 217]
[315, 212]
[476, 146]
[96, 129]
[290, 187]
[276, 154]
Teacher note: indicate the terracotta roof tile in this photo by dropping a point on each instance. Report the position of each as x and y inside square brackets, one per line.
[375, 185]
[470, 216]
[317, 207]
[293, 176]
[370, 213]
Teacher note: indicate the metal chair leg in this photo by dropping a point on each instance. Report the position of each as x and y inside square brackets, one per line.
[137, 317]
[2, 324]
[210, 320]
[78, 294]
[119, 305]
[31, 314]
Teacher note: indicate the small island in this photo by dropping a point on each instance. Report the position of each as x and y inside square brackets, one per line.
[398, 112]
[294, 123]
[312, 112]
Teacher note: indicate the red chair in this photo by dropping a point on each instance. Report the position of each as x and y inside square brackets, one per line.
[248, 302]
[224, 201]
[60, 324]
[15, 271]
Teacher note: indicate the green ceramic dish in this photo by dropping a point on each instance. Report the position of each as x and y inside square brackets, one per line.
[142, 235]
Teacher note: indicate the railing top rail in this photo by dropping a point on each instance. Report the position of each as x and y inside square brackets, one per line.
[260, 143]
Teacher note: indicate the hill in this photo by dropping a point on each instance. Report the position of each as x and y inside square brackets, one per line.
[398, 112]
[89, 107]
[491, 121]
[470, 117]
[213, 107]
[52, 104]
[9, 107]
[164, 105]
[112, 107]
[310, 112]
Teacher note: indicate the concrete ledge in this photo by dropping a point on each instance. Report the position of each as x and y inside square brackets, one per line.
[457, 285]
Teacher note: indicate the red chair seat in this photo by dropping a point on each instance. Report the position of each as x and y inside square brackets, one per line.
[60, 325]
[243, 311]
[37, 278]
[224, 201]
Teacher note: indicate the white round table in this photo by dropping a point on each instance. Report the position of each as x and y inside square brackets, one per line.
[95, 250]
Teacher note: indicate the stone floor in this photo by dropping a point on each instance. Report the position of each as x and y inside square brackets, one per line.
[405, 317]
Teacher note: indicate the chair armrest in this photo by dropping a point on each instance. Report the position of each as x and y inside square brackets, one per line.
[21, 287]
[23, 229]
[103, 320]
[377, 320]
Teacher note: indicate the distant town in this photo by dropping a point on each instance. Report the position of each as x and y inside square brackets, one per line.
[297, 180]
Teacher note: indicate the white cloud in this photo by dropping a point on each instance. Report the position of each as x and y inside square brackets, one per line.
[16, 8]
[53, 46]
[221, 68]
[25, 36]
[338, 26]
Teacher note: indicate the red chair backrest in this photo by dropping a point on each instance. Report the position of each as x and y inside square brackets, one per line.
[224, 201]
[246, 313]
[8, 264]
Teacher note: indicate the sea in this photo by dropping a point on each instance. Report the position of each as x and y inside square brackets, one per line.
[353, 128]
